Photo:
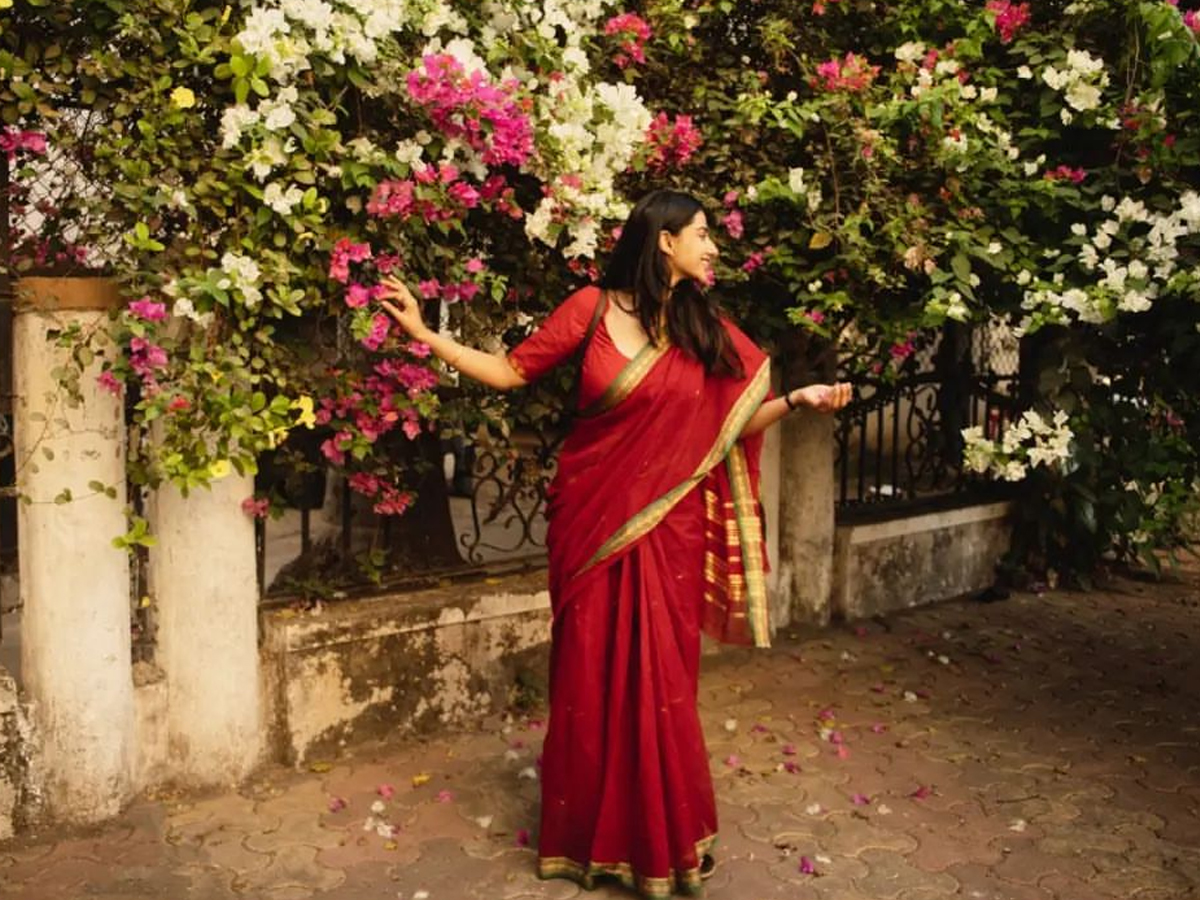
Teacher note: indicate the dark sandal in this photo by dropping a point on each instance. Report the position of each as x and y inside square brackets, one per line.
[708, 865]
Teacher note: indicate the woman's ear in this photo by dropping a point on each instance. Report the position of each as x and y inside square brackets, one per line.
[666, 243]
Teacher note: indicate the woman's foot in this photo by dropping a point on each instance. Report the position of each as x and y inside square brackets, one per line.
[708, 865]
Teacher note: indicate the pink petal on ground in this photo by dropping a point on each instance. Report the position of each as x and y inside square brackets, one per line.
[878, 728]
[826, 714]
[535, 724]
[843, 751]
[386, 791]
[860, 800]
[807, 867]
[445, 797]
[733, 760]
[759, 728]
[921, 793]
[835, 737]
[523, 837]
[790, 767]
[878, 688]
[789, 749]
[336, 804]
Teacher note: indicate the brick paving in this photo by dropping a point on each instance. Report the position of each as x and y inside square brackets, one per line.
[1046, 747]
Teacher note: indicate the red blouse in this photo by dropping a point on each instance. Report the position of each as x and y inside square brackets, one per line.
[558, 337]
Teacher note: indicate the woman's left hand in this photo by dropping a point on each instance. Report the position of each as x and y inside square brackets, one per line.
[824, 398]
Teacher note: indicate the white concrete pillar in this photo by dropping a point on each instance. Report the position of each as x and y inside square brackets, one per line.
[75, 656]
[204, 583]
[806, 515]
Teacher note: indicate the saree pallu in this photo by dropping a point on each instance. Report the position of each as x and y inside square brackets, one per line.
[654, 535]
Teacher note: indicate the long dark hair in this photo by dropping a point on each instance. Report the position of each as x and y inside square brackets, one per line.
[638, 266]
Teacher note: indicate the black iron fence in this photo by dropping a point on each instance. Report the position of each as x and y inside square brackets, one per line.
[899, 442]
[480, 510]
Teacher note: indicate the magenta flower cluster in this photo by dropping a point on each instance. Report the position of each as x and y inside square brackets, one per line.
[486, 116]
[633, 32]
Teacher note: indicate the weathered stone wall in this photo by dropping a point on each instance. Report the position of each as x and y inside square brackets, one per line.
[888, 566]
[399, 664]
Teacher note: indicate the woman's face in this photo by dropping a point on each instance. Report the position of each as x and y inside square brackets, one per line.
[690, 253]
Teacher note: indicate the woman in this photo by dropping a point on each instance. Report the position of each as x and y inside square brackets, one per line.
[653, 535]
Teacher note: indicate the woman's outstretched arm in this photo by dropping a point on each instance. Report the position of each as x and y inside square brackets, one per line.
[820, 397]
[492, 369]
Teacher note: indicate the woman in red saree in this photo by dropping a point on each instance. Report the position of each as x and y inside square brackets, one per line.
[654, 536]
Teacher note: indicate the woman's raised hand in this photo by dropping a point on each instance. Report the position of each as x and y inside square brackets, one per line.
[404, 307]
[825, 398]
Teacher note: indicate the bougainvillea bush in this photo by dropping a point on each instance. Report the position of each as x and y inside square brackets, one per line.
[874, 171]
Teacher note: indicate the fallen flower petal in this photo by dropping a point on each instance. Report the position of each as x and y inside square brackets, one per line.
[445, 797]
[789, 749]
[860, 800]
[733, 760]
[921, 793]
[336, 804]
[386, 791]
[523, 837]
[423, 778]
[878, 728]
[790, 767]
[843, 752]
[807, 867]
[813, 809]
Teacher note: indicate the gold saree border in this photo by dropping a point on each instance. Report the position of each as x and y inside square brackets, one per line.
[684, 881]
[631, 375]
[644, 521]
[749, 527]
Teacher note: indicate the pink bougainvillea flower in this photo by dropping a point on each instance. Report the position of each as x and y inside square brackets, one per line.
[878, 688]
[419, 349]
[878, 728]
[790, 767]
[633, 32]
[807, 867]
[1010, 17]
[671, 143]
[826, 715]
[380, 326]
[759, 728]
[843, 752]
[851, 74]
[733, 760]
[108, 381]
[179, 404]
[357, 296]
[1191, 19]
[860, 800]
[523, 837]
[148, 310]
[386, 791]
[344, 252]
[475, 265]
[336, 804]
[753, 262]
[256, 509]
[429, 289]
[921, 793]
[788, 750]
[734, 223]
[445, 797]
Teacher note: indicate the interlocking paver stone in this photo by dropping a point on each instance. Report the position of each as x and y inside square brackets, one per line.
[1053, 755]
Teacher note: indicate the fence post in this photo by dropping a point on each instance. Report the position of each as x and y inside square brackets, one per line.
[806, 514]
[75, 664]
[204, 580]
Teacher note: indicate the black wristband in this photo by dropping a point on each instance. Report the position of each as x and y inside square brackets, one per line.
[787, 398]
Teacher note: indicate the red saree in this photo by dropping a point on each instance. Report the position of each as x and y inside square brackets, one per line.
[653, 536]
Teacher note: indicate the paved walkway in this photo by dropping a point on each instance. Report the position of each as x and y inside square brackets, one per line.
[1040, 748]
